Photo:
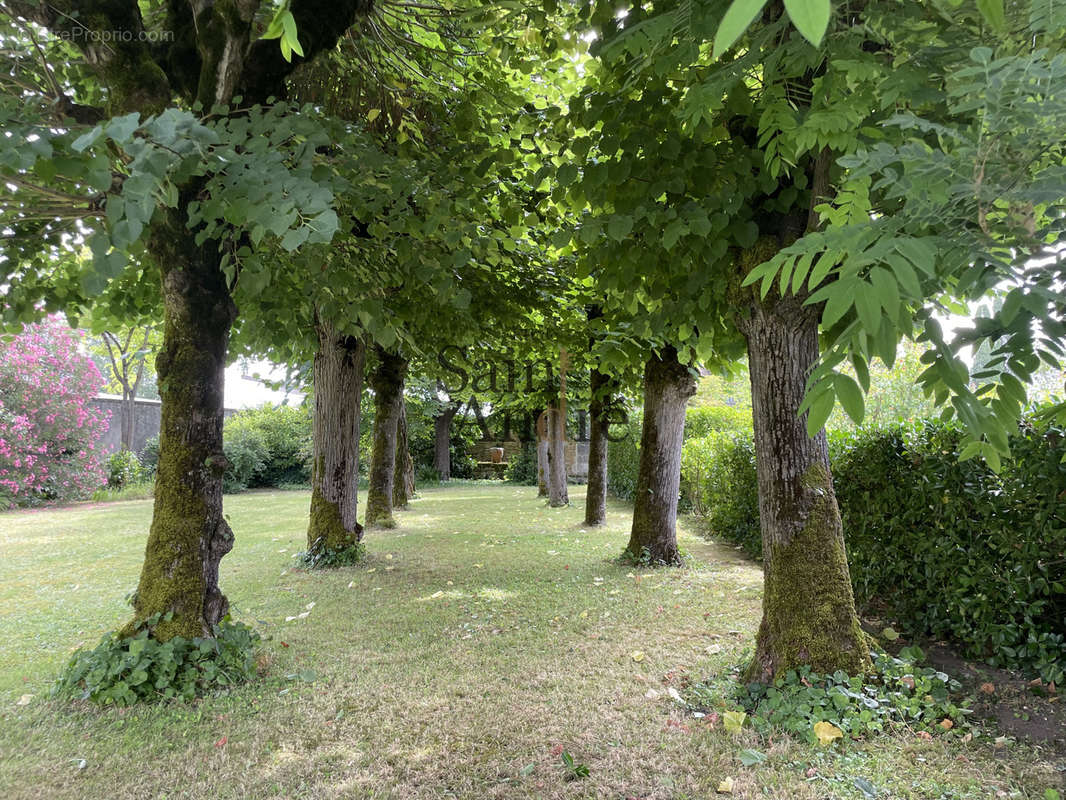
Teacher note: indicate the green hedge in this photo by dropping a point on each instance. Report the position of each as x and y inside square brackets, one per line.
[955, 550]
[623, 457]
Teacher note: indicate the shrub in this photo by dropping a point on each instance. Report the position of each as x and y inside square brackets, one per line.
[140, 668]
[48, 429]
[522, 467]
[952, 548]
[718, 482]
[282, 439]
[123, 469]
[703, 420]
[150, 456]
[246, 450]
[623, 458]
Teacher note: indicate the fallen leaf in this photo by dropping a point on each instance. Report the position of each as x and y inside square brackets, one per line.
[351, 584]
[24, 700]
[889, 634]
[988, 688]
[925, 735]
[827, 732]
[557, 750]
[221, 742]
[675, 694]
[651, 694]
[907, 681]
[638, 655]
[811, 772]
[725, 786]
[734, 720]
[947, 724]
[714, 649]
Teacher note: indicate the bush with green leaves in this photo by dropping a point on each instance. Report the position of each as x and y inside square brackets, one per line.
[124, 469]
[623, 457]
[246, 451]
[281, 437]
[522, 467]
[703, 420]
[718, 482]
[952, 548]
[123, 671]
[149, 456]
[896, 692]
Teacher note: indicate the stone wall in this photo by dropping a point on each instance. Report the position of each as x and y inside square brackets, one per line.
[147, 426]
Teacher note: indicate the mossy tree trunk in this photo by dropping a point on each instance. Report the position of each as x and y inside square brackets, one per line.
[338, 377]
[808, 608]
[403, 482]
[599, 405]
[442, 441]
[188, 535]
[543, 445]
[387, 381]
[668, 385]
[556, 466]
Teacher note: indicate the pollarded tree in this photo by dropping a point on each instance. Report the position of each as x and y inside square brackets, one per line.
[173, 177]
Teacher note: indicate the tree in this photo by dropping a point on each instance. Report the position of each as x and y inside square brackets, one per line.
[387, 381]
[48, 428]
[162, 178]
[127, 354]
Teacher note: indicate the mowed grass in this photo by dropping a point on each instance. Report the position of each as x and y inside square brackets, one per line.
[482, 638]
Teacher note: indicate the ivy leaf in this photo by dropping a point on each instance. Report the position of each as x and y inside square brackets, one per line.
[811, 18]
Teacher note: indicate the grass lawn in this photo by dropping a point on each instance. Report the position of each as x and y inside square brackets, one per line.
[481, 639]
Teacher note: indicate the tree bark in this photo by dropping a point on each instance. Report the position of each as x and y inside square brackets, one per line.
[338, 382]
[442, 441]
[189, 535]
[667, 387]
[543, 446]
[596, 497]
[387, 381]
[808, 608]
[403, 482]
[557, 494]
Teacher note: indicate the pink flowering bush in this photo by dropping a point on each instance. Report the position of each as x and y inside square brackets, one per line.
[48, 429]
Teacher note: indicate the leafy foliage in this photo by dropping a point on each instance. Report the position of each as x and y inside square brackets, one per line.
[124, 469]
[273, 444]
[328, 559]
[522, 468]
[124, 671]
[954, 549]
[623, 458]
[896, 692]
[48, 429]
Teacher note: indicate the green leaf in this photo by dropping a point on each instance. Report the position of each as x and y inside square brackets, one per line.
[818, 413]
[811, 18]
[619, 226]
[992, 11]
[738, 17]
[850, 396]
[749, 758]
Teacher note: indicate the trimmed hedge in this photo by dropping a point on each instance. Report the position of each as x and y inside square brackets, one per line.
[953, 549]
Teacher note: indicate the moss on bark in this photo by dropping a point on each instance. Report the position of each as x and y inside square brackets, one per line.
[808, 606]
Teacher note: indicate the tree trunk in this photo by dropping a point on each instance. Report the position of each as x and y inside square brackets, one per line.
[129, 418]
[543, 445]
[596, 498]
[403, 482]
[442, 441]
[808, 608]
[667, 387]
[188, 535]
[557, 494]
[335, 474]
[387, 381]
